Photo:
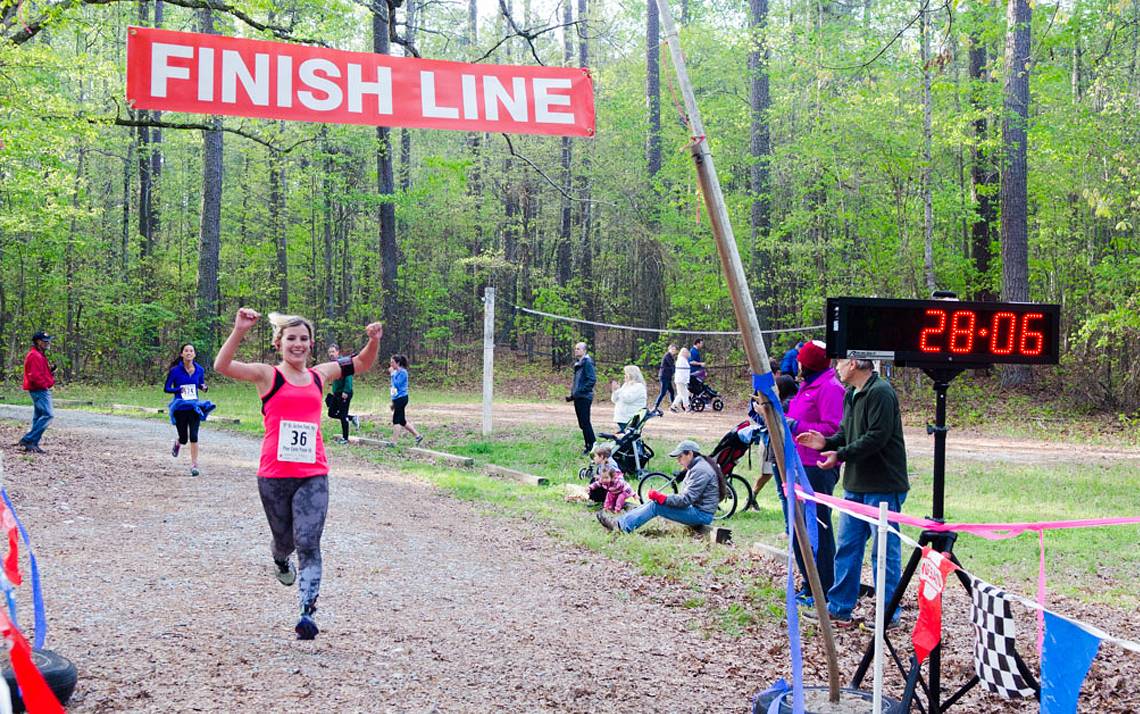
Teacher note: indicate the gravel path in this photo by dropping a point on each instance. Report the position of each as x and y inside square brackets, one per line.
[159, 588]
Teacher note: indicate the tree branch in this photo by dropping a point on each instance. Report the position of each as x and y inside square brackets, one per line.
[30, 29]
[540, 172]
[120, 121]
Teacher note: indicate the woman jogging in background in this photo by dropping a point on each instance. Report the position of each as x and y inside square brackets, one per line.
[293, 471]
[186, 380]
[398, 368]
[339, 399]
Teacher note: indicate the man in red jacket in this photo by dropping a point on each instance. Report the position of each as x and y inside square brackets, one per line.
[38, 381]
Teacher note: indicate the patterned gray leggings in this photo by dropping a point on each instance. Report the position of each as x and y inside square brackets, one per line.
[296, 509]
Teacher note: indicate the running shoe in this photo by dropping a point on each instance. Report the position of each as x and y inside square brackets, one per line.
[339, 440]
[175, 449]
[355, 421]
[306, 628]
[285, 572]
[419, 439]
[194, 471]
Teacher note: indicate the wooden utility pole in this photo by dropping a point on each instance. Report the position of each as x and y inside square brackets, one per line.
[488, 356]
[746, 320]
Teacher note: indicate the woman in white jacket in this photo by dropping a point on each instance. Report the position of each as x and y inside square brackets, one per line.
[630, 397]
[681, 381]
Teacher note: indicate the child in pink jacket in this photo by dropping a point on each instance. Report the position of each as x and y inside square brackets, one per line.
[617, 490]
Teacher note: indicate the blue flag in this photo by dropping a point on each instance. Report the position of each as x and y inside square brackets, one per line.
[1066, 655]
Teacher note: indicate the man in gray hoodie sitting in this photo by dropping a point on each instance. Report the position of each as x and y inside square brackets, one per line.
[704, 488]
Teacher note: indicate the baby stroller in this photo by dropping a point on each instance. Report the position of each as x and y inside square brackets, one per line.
[701, 395]
[629, 452]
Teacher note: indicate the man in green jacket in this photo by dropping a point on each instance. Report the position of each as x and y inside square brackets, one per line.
[870, 443]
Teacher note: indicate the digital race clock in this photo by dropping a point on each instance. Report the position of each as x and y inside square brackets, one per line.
[943, 332]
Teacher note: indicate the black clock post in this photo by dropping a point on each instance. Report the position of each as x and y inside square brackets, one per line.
[905, 331]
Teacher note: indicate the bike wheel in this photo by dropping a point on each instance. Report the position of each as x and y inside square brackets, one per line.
[718, 404]
[727, 506]
[743, 491]
[655, 481]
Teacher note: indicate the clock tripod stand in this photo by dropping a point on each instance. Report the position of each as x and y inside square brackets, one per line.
[943, 542]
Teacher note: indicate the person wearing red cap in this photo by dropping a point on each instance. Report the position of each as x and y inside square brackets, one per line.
[38, 381]
[870, 442]
[817, 406]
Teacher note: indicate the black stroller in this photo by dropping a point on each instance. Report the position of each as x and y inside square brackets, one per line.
[629, 451]
[702, 395]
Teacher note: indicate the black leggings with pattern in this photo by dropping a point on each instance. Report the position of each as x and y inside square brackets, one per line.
[296, 509]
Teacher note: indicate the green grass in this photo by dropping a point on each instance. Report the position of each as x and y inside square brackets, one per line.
[1093, 565]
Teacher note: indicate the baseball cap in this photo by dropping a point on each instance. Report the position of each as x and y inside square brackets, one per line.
[686, 445]
[41, 335]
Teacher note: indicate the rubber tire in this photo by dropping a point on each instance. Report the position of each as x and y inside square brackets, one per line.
[59, 672]
[584, 473]
[741, 486]
[727, 507]
[655, 480]
[697, 405]
[718, 404]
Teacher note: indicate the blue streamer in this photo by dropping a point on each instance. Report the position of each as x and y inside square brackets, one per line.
[779, 688]
[766, 385]
[37, 591]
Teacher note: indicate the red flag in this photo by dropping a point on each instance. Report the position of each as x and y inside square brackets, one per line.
[932, 572]
[37, 695]
[12, 561]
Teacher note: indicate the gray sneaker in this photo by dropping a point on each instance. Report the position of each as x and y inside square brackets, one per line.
[194, 471]
[285, 571]
[355, 421]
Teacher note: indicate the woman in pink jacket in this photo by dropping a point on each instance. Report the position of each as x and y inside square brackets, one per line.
[818, 406]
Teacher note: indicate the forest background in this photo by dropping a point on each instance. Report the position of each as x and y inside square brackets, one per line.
[866, 147]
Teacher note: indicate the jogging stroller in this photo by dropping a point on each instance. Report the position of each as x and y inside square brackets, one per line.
[701, 395]
[728, 452]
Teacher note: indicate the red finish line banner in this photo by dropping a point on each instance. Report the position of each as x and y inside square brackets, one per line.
[210, 74]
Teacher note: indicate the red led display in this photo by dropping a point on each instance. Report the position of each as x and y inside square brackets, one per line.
[943, 332]
[1003, 331]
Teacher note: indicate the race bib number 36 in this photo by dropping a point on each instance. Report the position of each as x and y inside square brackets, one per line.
[297, 442]
[189, 391]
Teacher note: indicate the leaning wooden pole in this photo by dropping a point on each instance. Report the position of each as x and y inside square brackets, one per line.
[745, 319]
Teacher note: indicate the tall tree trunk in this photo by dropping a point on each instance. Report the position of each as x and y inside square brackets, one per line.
[983, 178]
[156, 160]
[760, 147]
[277, 222]
[327, 229]
[146, 187]
[74, 304]
[1014, 197]
[125, 237]
[653, 90]
[927, 161]
[405, 134]
[1076, 70]
[386, 189]
[586, 216]
[564, 246]
[209, 247]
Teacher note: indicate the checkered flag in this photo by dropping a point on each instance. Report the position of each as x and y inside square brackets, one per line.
[996, 662]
